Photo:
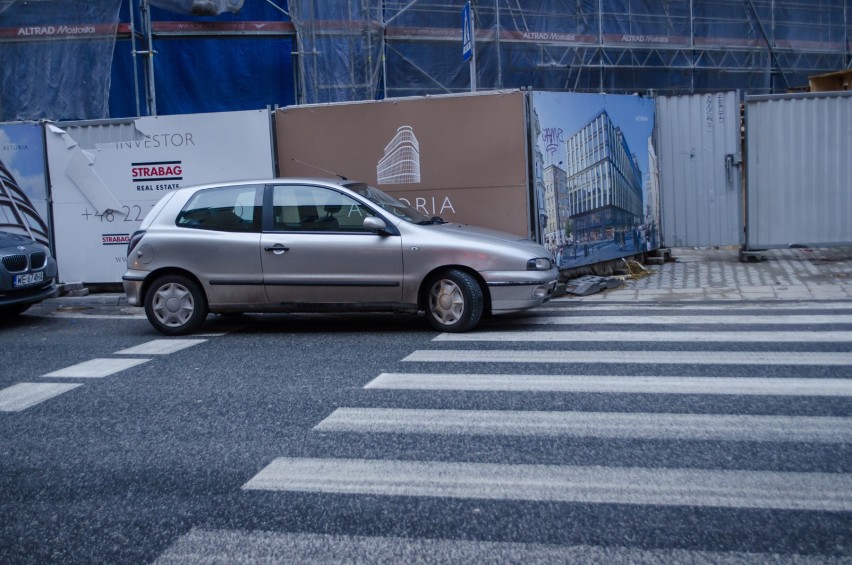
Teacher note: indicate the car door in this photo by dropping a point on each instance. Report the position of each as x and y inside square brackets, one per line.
[218, 239]
[316, 250]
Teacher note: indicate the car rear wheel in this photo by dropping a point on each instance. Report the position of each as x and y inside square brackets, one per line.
[175, 305]
[454, 302]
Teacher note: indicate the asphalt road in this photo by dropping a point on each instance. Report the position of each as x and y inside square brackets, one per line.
[691, 432]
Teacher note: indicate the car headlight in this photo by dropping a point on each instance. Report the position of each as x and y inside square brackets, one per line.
[134, 240]
[539, 264]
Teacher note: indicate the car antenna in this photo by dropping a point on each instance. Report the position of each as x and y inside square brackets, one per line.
[320, 168]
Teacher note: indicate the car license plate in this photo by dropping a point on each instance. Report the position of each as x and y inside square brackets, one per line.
[28, 279]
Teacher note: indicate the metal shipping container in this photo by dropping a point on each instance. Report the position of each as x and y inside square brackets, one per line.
[699, 147]
[799, 151]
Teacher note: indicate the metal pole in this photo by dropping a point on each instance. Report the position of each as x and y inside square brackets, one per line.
[472, 51]
[692, 47]
[384, 52]
[149, 37]
[600, 46]
[497, 43]
[133, 54]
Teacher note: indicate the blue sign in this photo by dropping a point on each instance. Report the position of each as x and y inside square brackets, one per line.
[467, 33]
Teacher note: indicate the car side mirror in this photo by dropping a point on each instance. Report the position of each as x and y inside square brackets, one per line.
[375, 224]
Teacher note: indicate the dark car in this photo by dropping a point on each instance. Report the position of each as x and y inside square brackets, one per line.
[27, 273]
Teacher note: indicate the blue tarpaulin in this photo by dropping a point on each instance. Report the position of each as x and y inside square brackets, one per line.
[56, 58]
[73, 59]
[227, 62]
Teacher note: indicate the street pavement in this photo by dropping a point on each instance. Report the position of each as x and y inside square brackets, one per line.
[578, 433]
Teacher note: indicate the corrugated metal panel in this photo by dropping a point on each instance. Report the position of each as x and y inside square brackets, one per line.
[799, 170]
[698, 138]
[89, 134]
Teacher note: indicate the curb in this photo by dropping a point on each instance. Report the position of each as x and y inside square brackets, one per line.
[106, 299]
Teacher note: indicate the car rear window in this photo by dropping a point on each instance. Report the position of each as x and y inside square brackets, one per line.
[232, 209]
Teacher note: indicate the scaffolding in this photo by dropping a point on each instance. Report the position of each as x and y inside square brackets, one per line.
[100, 54]
[363, 49]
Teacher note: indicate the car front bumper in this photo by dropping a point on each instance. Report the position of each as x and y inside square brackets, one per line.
[515, 292]
[29, 295]
[133, 289]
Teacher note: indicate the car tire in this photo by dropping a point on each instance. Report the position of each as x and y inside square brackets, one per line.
[453, 301]
[175, 305]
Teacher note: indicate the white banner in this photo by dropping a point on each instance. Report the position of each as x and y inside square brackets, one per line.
[103, 189]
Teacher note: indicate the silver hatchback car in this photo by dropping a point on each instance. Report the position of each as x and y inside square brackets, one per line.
[318, 245]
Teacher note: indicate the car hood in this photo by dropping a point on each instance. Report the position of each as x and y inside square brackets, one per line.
[504, 238]
[13, 240]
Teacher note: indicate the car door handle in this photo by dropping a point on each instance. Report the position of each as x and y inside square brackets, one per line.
[278, 248]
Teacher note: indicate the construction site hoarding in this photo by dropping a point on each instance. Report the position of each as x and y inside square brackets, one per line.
[106, 176]
[701, 174]
[798, 170]
[596, 176]
[463, 158]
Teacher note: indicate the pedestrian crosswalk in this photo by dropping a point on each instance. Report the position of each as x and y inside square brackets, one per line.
[769, 381]
[21, 396]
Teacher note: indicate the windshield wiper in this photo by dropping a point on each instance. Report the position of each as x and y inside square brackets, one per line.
[432, 220]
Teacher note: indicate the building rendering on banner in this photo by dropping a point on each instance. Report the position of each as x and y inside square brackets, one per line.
[604, 183]
[652, 190]
[556, 205]
[401, 161]
[17, 213]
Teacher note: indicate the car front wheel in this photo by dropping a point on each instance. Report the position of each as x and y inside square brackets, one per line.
[454, 302]
[175, 305]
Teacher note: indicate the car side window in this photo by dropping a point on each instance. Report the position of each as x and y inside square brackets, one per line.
[230, 208]
[314, 208]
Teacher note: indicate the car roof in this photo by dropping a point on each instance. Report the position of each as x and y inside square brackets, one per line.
[276, 180]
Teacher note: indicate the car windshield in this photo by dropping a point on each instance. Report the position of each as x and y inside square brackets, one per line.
[396, 207]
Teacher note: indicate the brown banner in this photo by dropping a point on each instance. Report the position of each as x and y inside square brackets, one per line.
[463, 158]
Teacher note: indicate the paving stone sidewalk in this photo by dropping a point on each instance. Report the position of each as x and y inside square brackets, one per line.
[718, 274]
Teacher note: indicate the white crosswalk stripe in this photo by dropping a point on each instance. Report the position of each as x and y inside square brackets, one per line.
[96, 368]
[646, 320]
[631, 357]
[160, 347]
[577, 336]
[24, 395]
[240, 546]
[559, 483]
[613, 384]
[762, 306]
[590, 424]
